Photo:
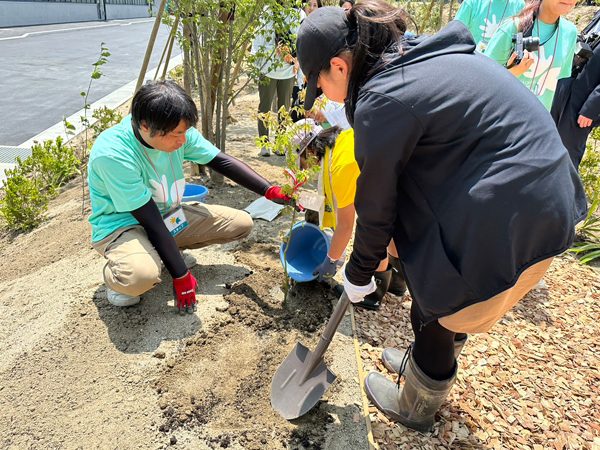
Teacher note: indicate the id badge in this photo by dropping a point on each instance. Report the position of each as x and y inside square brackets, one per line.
[481, 47]
[175, 221]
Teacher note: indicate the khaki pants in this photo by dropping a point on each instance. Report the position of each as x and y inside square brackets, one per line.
[480, 317]
[134, 266]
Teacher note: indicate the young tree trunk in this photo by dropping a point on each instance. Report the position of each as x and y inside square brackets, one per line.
[227, 87]
[187, 76]
[427, 16]
[225, 17]
[440, 17]
[238, 67]
[172, 39]
[450, 13]
[198, 66]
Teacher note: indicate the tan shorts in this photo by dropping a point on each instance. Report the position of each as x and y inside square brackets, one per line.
[134, 266]
[479, 318]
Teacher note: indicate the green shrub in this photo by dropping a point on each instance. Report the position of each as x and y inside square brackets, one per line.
[55, 162]
[25, 201]
[589, 169]
[106, 118]
[589, 229]
[33, 182]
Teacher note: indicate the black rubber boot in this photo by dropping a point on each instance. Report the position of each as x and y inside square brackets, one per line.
[373, 300]
[415, 405]
[392, 357]
[398, 283]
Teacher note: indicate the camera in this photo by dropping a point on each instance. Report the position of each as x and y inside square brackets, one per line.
[531, 44]
[583, 53]
[586, 43]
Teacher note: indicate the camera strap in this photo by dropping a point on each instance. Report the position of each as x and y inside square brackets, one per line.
[487, 20]
[537, 91]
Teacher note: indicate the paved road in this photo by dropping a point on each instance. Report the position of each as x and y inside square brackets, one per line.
[44, 69]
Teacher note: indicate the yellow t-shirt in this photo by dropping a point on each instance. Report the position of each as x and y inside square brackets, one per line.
[344, 169]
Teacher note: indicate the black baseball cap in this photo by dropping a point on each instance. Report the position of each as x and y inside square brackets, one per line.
[321, 37]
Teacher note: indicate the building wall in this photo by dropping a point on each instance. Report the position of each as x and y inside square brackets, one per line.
[22, 13]
[18, 13]
[126, 11]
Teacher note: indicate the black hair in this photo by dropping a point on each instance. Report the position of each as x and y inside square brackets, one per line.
[162, 105]
[375, 28]
[528, 14]
[325, 139]
[347, 1]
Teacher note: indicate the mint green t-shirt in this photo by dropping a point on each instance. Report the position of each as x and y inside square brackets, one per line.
[552, 61]
[123, 175]
[483, 17]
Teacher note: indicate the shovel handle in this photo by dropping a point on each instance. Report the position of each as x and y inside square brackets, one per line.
[327, 336]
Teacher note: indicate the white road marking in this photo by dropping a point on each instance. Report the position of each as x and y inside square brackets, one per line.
[76, 28]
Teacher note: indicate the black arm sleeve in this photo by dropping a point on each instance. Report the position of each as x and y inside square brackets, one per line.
[149, 217]
[382, 150]
[239, 172]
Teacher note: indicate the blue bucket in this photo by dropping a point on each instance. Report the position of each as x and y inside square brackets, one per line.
[308, 248]
[194, 193]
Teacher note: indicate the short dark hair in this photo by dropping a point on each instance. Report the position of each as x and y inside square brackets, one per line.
[346, 1]
[163, 105]
[324, 139]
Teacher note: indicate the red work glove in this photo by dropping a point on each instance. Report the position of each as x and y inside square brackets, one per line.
[276, 195]
[185, 290]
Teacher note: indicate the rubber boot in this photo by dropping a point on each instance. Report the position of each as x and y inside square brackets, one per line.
[415, 405]
[392, 357]
[373, 300]
[398, 283]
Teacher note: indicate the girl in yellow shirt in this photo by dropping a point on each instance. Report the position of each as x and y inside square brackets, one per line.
[334, 149]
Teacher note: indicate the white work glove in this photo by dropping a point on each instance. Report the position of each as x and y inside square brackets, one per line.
[356, 294]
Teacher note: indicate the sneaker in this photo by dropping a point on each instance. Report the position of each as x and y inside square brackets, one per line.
[117, 299]
[189, 260]
[264, 151]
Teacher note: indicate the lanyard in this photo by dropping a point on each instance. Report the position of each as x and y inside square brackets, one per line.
[161, 184]
[487, 21]
[557, 31]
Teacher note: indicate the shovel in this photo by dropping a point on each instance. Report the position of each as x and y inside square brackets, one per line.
[303, 377]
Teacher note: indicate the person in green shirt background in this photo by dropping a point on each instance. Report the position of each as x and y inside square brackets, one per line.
[483, 17]
[540, 70]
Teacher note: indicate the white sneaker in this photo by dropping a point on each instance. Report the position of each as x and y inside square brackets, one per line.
[117, 299]
[189, 260]
[264, 151]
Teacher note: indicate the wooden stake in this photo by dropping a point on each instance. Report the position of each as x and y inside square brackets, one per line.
[172, 41]
[144, 68]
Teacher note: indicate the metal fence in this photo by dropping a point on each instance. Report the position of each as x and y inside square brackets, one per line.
[108, 2]
[56, 1]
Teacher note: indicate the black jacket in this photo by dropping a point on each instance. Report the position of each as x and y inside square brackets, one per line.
[575, 97]
[462, 165]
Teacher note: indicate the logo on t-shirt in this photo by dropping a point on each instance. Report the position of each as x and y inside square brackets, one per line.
[547, 77]
[159, 190]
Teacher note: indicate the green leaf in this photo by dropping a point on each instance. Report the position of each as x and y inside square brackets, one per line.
[589, 257]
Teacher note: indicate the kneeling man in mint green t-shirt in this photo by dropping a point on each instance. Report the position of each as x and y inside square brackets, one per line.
[136, 182]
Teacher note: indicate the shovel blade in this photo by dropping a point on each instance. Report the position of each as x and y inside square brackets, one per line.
[289, 397]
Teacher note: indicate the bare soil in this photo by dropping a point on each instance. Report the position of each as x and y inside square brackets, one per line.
[77, 372]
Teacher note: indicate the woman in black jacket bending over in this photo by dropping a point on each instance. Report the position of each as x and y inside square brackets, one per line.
[460, 164]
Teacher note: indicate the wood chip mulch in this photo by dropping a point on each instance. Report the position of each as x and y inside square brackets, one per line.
[532, 382]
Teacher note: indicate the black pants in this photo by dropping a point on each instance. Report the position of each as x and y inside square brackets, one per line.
[433, 349]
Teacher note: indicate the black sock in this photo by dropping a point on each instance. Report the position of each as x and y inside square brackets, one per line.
[433, 350]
